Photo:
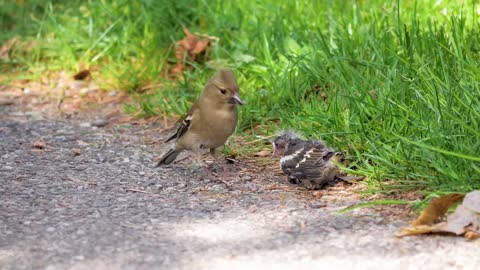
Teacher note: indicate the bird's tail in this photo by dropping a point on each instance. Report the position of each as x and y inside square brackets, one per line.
[169, 157]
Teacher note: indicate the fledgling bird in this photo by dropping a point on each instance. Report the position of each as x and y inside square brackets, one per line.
[210, 121]
[307, 162]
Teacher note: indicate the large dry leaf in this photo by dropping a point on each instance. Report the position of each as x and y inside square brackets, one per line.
[472, 201]
[437, 209]
[464, 221]
[190, 47]
[459, 220]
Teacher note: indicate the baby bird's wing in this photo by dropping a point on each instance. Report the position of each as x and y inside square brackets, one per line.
[313, 163]
[184, 125]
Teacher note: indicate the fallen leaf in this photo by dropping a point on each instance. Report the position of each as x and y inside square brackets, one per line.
[464, 221]
[437, 209]
[200, 47]
[262, 153]
[189, 48]
[472, 201]
[82, 75]
[421, 229]
[471, 235]
[39, 144]
[76, 152]
[7, 47]
[459, 220]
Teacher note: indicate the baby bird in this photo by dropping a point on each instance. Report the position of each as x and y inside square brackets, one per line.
[210, 121]
[306, 162]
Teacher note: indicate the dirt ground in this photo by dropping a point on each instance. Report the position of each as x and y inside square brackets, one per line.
[79, 190]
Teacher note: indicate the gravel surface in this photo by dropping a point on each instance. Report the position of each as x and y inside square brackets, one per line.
[74, 195]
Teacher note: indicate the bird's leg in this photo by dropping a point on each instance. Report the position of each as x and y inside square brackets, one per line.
[203, 165]
[212, 152]
[225, 171]
[211, 176]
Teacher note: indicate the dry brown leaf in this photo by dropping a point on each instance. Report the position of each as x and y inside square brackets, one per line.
[471, 235]
[39, 144]
[76, 152]
[263, 153]
[459, 220]
[464, 221]
[421, 229]
[437, 209]
[7, 47]
[472, 201]
[189, 48]
[200, 47]
[82, 75]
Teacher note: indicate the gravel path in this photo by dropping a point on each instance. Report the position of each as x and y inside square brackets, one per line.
[91, 199]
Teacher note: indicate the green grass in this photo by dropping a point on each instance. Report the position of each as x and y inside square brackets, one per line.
[396, 85]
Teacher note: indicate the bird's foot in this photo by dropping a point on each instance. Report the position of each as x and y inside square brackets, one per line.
[219, 178]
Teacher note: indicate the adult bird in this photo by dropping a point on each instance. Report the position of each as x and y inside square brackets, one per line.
[211, 119]
[307, 162]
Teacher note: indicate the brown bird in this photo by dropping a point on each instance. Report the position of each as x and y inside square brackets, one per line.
[307, 162]
[210, 121]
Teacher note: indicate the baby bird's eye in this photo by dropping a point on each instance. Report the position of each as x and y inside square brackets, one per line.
[223, 91]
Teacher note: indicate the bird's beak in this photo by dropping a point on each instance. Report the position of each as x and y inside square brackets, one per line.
[235, 100]
[276, 151]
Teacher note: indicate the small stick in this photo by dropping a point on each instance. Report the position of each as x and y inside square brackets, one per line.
[69, 178]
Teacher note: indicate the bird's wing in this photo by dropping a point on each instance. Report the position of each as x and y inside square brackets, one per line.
[313, 163]
[184, 125]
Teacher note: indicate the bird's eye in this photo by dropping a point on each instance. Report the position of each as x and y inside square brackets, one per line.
[223, 91]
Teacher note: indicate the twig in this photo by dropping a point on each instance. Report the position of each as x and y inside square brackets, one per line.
[147, 87]
[240, 162]
[69, 178]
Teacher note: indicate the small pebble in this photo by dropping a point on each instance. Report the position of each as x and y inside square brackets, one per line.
[7, 168]
[169, 189]
[79, 257]
[247, 178]
[100, 123]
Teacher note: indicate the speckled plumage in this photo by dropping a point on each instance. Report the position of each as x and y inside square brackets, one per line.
[307, 162]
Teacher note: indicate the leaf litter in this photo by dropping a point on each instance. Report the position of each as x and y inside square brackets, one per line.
[190, 47]
[39, 144]
[465, 220]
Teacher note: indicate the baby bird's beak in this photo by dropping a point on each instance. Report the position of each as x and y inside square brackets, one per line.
[235, 100]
